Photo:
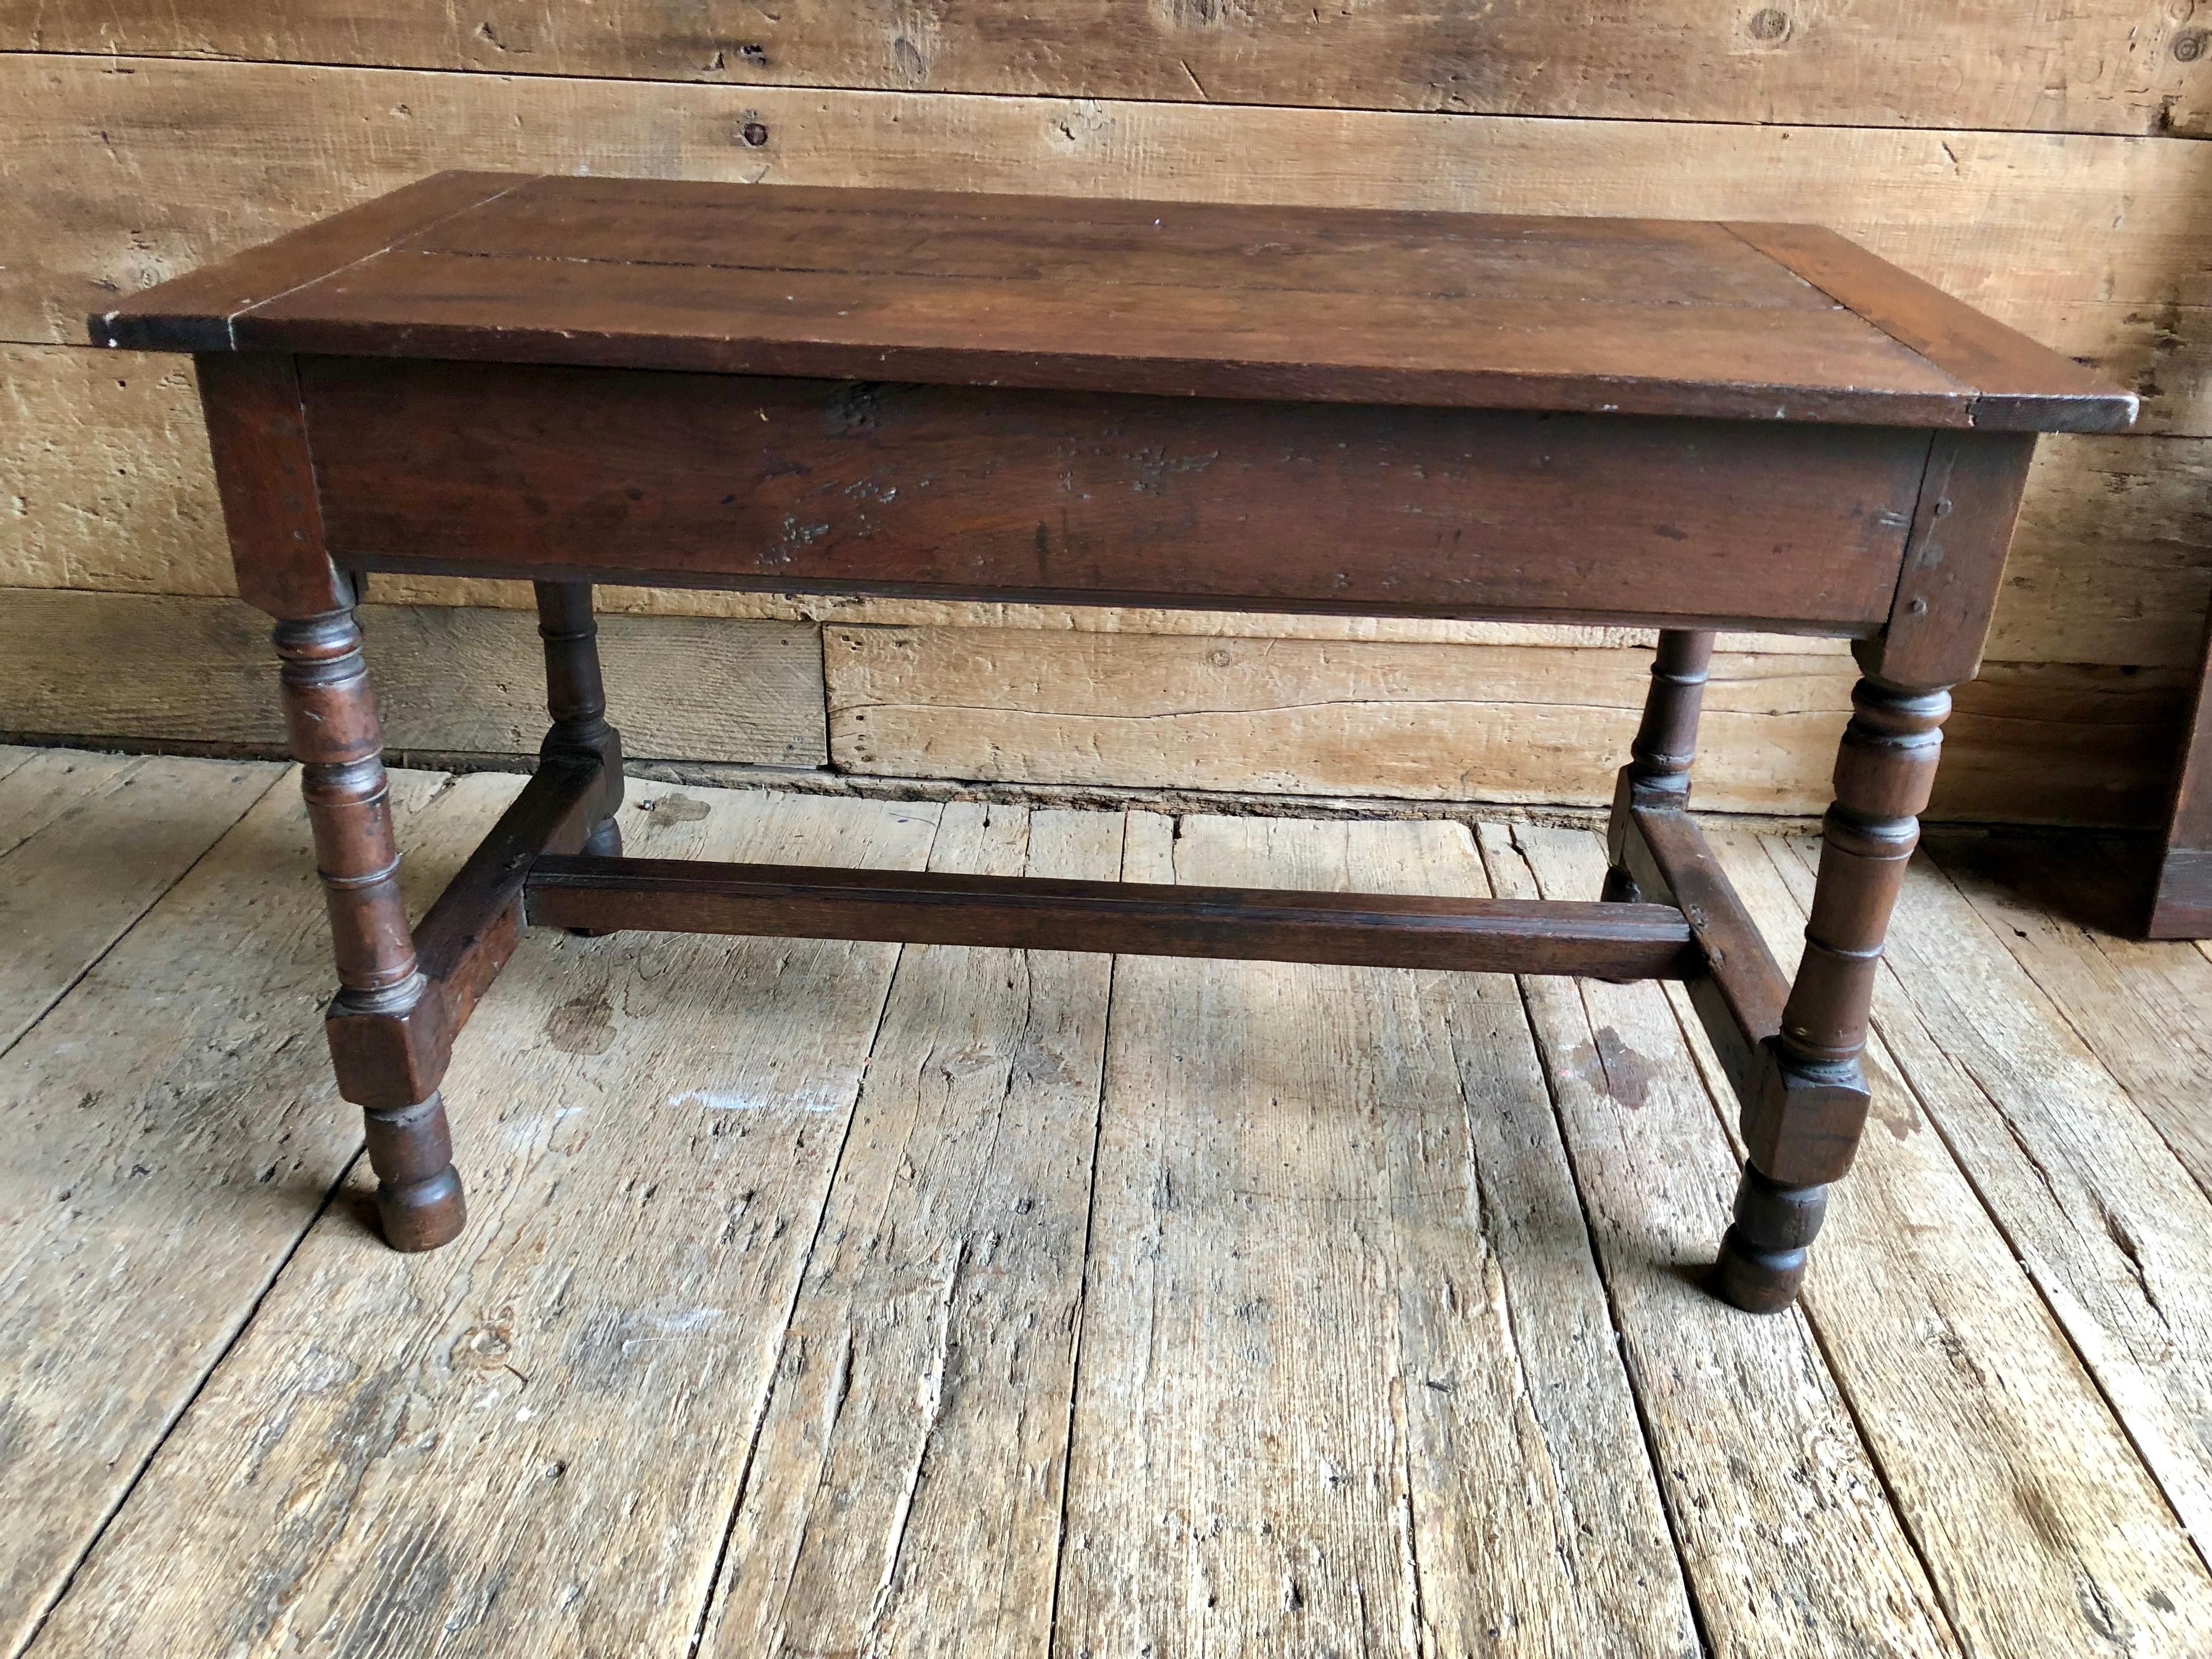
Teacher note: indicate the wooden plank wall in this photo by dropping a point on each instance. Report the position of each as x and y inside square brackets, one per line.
[2046, 162]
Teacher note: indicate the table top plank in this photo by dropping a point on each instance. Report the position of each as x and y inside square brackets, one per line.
[194, 312]
[1103, 336]
[2023, 386]
[1202, 245]
[1653, 317]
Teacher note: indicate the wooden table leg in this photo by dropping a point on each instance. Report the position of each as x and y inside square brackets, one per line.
[336, 736]
[1801, 1126]
[1666, 746]
[576, 698]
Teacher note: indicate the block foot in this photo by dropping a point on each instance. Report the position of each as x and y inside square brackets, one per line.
[418, 1195]
[1758, 1281]
[1762, 1262]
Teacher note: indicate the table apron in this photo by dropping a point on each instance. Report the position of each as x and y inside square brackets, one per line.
[800, 485]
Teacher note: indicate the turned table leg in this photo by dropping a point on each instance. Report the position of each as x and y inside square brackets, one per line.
[1666, 746]
[576, 698]
[1802, 1124]
[331, 716]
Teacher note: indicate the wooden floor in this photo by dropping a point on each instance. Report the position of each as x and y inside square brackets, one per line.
[839, 1300]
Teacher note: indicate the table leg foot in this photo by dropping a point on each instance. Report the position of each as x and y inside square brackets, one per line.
[1762, 1261]
[605, 842]
[1807, 1107]
[418, 1194]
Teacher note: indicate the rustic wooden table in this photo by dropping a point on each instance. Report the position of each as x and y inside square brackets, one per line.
[1694, 426]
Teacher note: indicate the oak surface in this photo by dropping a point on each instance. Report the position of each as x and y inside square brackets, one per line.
[2017, 225]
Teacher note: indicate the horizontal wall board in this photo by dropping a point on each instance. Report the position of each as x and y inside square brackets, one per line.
[2029, 743]
[2045, 742]
[108, 486]
[130, 171]
[105, 479]
[117, 666]
[2091, 66]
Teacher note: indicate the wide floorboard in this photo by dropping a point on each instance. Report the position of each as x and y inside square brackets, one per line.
[852, 1298]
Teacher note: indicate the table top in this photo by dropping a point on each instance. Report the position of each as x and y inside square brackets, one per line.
[1634, 316]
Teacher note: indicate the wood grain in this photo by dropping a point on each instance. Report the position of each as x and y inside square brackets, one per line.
[2019, 226]
[216, 1121]
[88, 843]
[1439, 722]
[1795, 1549]
[2144, 1009]
[448, 681]
[2111, 562]
[2111, 555]
[902, 1493]
[109, 482]
[980, 492]
[1740, 993]
[528, 1451]
[2110, 66]
[2105, 1218]
[198, 310]
[1312, 303]
[2010, 372]
[560, 1362]
[1461, 1455]
[1375, 930]
[266, 478]
[2042, 1532]
[1358, 716]
[1955, 560]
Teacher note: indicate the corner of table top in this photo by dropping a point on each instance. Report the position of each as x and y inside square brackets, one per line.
[2017, 384]
[195, 312]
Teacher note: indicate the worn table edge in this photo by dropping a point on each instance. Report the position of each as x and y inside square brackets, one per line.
[198, 311]
[2008, 382]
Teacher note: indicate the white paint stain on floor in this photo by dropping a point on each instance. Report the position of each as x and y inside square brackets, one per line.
[737, 1100]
